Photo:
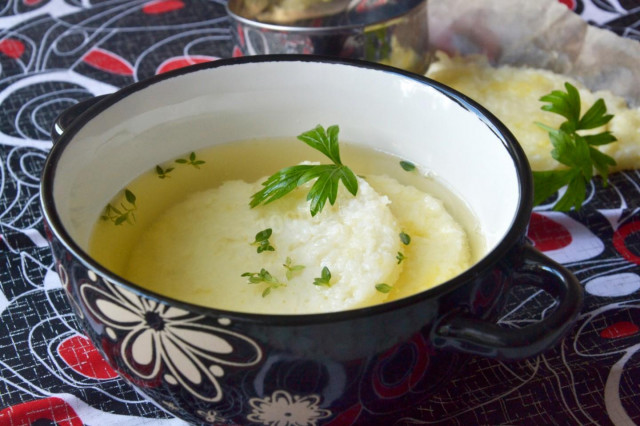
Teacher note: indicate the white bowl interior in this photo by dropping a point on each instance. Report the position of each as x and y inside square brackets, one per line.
[387, 111]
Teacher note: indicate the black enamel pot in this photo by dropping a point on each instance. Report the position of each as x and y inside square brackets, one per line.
[364, 365]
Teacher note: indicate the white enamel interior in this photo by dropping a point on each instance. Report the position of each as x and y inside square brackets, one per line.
[384, 110]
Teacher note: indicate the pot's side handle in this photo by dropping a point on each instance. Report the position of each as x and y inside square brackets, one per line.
[69, 115]
[463, 333]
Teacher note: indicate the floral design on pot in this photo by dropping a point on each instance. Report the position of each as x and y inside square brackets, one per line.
[66, 285]
[156, 339]
[284, 409]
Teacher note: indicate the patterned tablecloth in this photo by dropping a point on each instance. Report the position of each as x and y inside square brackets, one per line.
[54, 53]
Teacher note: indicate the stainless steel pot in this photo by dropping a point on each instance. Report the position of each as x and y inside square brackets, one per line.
[392, 32]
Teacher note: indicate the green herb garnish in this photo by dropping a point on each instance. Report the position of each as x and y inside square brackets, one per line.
[407, 166]
[383, 288]
[125, 213]
[264, 277]
[324, 279]
[572, 149]
[405, 238]
[163, 173]
[291, 269]
[191, 161]
[262, 241]
[400, 257]
[328, 175]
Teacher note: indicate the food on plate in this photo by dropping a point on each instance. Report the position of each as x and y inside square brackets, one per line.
[513, 95]
[315, 247]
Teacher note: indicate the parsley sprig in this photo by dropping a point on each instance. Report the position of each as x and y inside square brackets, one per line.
[328, 175]
[573, 149]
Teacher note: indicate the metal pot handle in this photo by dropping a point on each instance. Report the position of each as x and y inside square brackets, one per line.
[462, 333]
[69, 115]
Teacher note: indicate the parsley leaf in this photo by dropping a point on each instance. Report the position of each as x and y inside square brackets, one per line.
[328, 175]
[573, 149]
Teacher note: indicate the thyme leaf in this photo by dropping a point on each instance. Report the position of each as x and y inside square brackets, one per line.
[325, 278]
[191, 160]
[407, 166]
[383, 288]
[163, 173]
[124, 213]
[291, 269]
[262, 241]
[264, 277]
[405, 238]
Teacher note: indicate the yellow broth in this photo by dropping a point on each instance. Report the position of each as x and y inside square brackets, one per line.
[250, 160]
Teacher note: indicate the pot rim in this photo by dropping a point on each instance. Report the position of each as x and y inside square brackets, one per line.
[512, 238]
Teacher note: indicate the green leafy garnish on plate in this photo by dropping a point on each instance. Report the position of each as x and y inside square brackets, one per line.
[328, 175]
[575, 150]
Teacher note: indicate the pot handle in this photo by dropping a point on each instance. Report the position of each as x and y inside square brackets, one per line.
[69, 115]
[463, 333]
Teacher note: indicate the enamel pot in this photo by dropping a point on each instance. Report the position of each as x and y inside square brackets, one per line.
[211, 366]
